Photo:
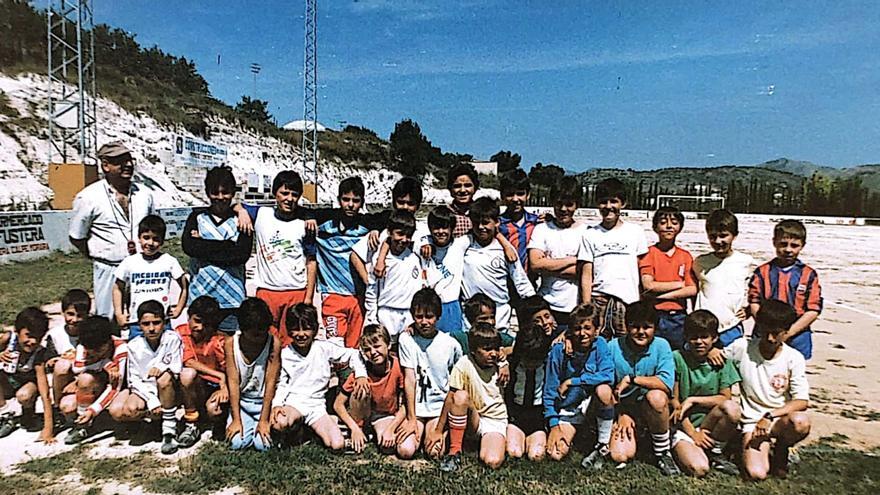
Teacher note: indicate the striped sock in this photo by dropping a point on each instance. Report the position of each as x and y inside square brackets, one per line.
[457, 425]
[169, 421]
[661, 442]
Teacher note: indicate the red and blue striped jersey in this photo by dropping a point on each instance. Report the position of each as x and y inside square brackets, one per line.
[519, 235]
[798, 286]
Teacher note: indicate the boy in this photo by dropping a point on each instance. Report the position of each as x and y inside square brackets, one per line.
[553, 251]
[286, 266]
[517, 224]
[247, 356]
[475, 399]
[608, 260]
[388, 299]
[203, 377]
[788, 279]
[444, 270]
[63, 339]
[644, 375]
[23, 374]
[666, 271]
[525, 395]
[382, 407]
[703, 414]
[298, 377]
[462, 183]
[774, 392]
[155, 359]
[147, 276]
[486, 269]
[571, 379]
[723, 277]
[480, 309]
[217, 249]
[426, 357]
[100, 370]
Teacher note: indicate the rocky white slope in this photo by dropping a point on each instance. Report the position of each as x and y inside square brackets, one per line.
[24, 152]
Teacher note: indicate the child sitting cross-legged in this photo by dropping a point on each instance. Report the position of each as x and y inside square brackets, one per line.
[299, 375]
[381, 409]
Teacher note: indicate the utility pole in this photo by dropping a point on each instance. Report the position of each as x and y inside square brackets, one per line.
[255, 69]
[310, 99]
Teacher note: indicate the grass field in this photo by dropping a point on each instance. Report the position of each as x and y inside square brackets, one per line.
[825, 469]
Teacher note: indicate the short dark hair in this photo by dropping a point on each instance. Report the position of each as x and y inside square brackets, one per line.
[640, 313]
[515, 180]
[700, 322]
[793, 229]
[485, 336]
[254, 316]
[427, 298]
[667, 212]
[402, 220]
[34, 319]
[774, 317]
[459, 170]
[151, 307]
[441, 217]
[610, 188]
[722, 220]
[407, 186]
[302, 316]
[529, 307]
[218, 177]
[154, 224]
[352, 185]
[374, 333]
[484, 208]
[289, 179]
[474, 305]
[208, 309]
[95, 331]
[77, 298]
[583, 312]
[567, 189]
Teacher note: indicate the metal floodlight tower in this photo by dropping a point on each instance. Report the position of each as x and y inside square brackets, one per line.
[73, 130]
[310, 96]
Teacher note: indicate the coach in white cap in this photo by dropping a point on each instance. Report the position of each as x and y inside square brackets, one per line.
[105, 219]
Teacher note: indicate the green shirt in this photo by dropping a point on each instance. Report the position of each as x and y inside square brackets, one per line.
[507, 340]
[701, 379]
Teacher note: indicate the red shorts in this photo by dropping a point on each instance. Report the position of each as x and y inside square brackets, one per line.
[343, 317]
[278, 302]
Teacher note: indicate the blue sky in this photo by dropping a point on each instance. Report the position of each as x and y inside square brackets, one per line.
[638, 84]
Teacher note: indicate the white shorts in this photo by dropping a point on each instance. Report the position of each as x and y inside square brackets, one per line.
[679, 435]
[103, 280]
[577, 416]
[488, 425]
[310, 409]
[750, 427]
[394, 320]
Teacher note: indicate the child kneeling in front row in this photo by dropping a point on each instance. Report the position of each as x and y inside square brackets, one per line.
[299, 376]
[475, 399]
[155, 359]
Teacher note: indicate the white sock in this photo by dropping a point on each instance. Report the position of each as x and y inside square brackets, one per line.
[604, 422]
[169, 421]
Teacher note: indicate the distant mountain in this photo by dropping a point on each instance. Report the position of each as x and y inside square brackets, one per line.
[868, 174]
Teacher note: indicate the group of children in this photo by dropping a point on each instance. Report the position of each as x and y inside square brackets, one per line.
[412, 343]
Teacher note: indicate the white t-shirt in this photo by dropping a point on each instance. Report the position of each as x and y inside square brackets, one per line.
[432, 360]
[305, 379]
[486, 271]
[445, 267]
[767, 384]
[63, 343]
[556, 243]
[723, 285]
[148, 280]
[281, 252]
[98, 217]
[614, 254]
[141, 358]
[251, 376]
[403, 278]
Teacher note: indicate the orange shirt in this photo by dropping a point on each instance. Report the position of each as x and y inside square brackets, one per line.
[210, 352]
[385, 389]
[666, 268]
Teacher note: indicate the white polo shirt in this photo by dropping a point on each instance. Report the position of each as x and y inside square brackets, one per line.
[99, 218]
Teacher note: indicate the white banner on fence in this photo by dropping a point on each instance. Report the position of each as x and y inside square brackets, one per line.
[192, 152]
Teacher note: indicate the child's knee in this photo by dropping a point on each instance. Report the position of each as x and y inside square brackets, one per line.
[697, 467]
[755, 472]
[493, 460]
[165, 381]
[188, 377]
[62, 367]
[26, 395]
[460, 398]
[515, 450]
[68, 405]
[800, 423]
[658, 400]
[731, 411]
[406, 450]
[605, 395]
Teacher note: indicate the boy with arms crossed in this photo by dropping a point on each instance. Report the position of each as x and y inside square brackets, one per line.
[723, 277]
[608, 260]
[703, 414]
[666, 271]
[517, 224]
[644, 374]
[774, 392]
[788, 279]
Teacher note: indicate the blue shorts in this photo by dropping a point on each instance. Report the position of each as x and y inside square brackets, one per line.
[727, 337]
[803, 342]
[229, 324]
[670, 326]
[450, 320]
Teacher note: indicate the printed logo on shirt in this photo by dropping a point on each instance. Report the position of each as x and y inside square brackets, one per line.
[166, 359]
[415, 273]
[779, 382]
[802, 288]
[497, 263]
[151, 278]
[681, 270]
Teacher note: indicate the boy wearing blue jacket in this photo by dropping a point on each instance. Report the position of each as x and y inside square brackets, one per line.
[644, 374]
[576, 370]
